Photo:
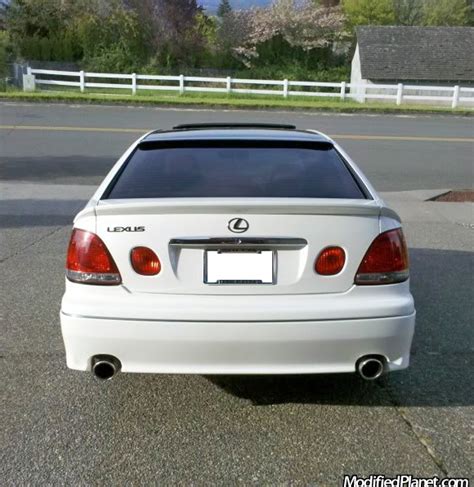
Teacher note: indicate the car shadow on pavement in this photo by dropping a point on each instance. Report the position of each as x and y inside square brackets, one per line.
[24, 213]
[442, 359]
[30, 221]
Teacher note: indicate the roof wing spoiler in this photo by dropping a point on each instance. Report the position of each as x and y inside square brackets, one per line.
[230, 125]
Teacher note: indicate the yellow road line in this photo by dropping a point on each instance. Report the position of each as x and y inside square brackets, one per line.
[402, 137]
[143, 131]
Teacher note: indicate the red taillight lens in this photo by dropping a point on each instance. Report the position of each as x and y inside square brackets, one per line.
[386, 261]
[89, 261]
[145, 261]
[330, 261]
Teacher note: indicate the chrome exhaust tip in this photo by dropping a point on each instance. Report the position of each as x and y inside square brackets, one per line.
[370, 368]
[104, 367]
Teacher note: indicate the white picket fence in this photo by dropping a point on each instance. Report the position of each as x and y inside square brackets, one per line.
[454, 95]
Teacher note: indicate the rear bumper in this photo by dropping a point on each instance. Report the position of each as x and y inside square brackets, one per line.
[258, 347]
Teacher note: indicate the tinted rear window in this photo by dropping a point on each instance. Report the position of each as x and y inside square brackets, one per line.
[237, 169]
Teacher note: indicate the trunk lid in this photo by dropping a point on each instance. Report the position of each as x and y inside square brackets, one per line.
[180, 231]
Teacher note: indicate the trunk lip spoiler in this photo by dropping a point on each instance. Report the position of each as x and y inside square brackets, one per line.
[240, 206]
[244, 206]
[246, 203]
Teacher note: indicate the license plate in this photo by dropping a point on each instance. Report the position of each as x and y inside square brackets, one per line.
[239, 267]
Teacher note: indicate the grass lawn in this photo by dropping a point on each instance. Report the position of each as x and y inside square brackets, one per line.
[171, 98]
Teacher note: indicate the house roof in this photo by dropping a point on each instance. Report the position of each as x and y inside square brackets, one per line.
[416, 53]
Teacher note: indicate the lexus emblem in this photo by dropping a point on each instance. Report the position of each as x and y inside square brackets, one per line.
[238, 225]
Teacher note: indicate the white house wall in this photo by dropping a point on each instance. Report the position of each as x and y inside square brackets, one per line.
[356, 76]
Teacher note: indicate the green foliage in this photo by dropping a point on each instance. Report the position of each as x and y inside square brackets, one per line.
[30, 18]
[369, 12]
[42, 30]
[54, 48]
[206, 30]
[6, 50]
[289, 39]
[408, 12]
[112, 42]
[446, 12]
[97, 32]
[297, 72]
[278, 56]
[207, 27]
[224, 8]
[171, 35]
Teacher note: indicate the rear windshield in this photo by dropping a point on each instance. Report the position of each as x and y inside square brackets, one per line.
[239, 169]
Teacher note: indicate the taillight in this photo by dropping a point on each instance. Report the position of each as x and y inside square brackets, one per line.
[89, 261]
[330, 261]
[145, 261]
[386, 261]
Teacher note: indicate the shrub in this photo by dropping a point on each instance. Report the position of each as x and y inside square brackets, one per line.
[6, 50]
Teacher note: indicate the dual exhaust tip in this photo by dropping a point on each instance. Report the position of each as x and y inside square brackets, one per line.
[370, 367]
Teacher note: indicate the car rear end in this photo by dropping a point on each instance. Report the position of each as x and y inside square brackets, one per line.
[225, 251]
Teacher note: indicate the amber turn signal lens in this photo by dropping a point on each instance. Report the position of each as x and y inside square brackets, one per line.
[330, 261]
[145, 261]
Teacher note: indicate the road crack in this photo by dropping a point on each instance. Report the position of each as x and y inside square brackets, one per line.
[40, 239]
[437, 460]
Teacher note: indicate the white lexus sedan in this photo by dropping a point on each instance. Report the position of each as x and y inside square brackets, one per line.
[237, 249]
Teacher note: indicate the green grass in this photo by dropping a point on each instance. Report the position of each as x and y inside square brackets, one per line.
[144, 97]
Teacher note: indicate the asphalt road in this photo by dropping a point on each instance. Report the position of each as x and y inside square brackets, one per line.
[60, 427]
[435, 152]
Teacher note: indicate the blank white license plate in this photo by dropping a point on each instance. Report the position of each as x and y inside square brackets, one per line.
[239, 267]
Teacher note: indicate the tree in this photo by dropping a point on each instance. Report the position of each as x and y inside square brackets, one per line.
[43, 29]
[369, 12]
[408, 12]
[6, 51]
[175, 31]
[112, 38]
[4, 4]
[445, 12]
[224, 8]
[232, 31]
[288, 29]
[35, 18]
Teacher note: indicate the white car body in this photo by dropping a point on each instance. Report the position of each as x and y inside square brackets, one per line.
[176, 323]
